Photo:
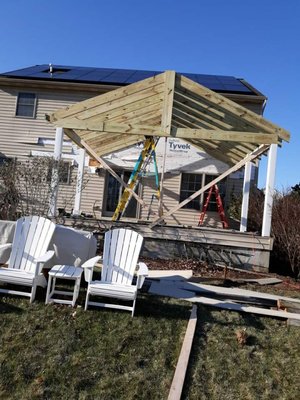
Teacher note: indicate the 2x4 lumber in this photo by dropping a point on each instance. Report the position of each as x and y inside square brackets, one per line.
[109, 97]
[227, 305]
[222, 135]
[190, 123]
[132, 129]
[81, 143]
[236, 292]
[252, 156]
[217, 116]
[234, 108]
[183, 133]
[173, 290]
[183, 360]
[131, 110]
[166, 119]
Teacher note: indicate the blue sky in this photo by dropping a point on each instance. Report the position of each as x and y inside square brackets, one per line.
[257, 40]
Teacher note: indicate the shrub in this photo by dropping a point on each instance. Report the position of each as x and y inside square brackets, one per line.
[286, 229]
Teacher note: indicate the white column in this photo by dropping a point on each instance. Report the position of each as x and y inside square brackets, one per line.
[270, 186]
[80, 172]
[58, 145]
[246, 193]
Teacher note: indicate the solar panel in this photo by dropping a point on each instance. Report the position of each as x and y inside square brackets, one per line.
[123, 76]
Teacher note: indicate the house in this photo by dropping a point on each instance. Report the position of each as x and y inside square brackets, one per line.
[26, 95]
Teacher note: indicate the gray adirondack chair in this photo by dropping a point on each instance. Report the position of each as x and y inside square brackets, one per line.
[28, 254]
[120, 262]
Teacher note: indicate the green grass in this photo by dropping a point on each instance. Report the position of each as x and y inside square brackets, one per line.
[267, 367]
[47, 352]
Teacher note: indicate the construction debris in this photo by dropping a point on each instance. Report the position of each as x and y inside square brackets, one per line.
[230, 298]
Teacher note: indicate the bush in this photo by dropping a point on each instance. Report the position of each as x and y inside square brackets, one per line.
[285, 257]
[286, 230]
[26, 187]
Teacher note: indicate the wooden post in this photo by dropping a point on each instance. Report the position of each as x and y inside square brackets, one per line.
[58, 145]
[246, 194]
[270, 186]
[80, 172]
[161, 188]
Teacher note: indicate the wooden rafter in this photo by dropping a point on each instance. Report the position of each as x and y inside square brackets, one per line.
[169, 105]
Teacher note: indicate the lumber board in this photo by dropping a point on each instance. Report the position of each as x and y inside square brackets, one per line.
[183, 360]
[293, 322]
[167, 106]
[168, 290]
[131, 129]
[226, 305]
[250, 157]
[232, 107]
[231, 136]
[170, 274]
[112, 96]
[220, 290]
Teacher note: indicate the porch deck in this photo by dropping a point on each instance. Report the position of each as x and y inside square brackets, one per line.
[225, 246]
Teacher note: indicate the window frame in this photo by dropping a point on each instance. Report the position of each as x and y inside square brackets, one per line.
[121, 173]
[34, 106]
[69, 176]
[202, 196]
[189, 206]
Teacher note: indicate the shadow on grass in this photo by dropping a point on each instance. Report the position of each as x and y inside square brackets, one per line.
[9, 308]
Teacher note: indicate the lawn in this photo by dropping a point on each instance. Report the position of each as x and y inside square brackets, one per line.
[57, 352]
[266, 367]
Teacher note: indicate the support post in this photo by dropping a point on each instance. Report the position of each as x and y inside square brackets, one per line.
[246, 194]
[270, 186]
[80, 172]
[58, 145]
[161, 188]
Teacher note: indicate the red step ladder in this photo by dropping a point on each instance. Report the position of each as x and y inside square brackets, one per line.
[215, 189]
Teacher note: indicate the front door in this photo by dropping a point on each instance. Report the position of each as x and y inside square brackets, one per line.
[113, 193]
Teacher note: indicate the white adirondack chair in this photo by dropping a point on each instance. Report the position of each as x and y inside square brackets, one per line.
[28, 254]
[121, 252]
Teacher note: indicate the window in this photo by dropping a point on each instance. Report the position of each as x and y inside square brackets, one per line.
[212, 205]
[190, 183]
[113, 193]
[26, 105]
[64, 172]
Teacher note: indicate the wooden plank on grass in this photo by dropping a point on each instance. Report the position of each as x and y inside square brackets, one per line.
[183, 360]
[220, 290]
[228, 305]
[170, 274]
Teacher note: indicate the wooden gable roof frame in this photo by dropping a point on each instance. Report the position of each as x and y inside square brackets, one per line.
[169, 105]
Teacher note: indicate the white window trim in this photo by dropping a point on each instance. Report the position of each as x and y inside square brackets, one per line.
[34, 107]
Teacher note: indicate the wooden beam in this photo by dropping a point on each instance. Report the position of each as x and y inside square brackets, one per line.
[223, 135]
[92, 126]
[166, 119]
[183, 360]
[252, 156]
[183, 133]
[81, 143]
[232, 107]
[102, 99]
